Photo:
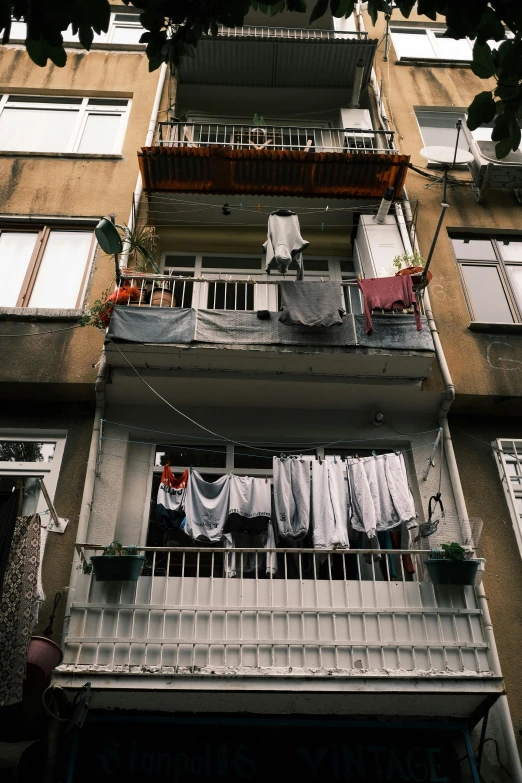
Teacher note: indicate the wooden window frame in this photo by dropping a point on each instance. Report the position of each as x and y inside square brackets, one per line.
[43, 232]
[515, 306]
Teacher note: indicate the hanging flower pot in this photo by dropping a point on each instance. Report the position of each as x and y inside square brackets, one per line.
[416, 271]
[44, 654]
[447, 566]
[117, 564]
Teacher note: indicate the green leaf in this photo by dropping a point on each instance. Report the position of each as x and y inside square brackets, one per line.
[503, 148]
[319, 9]
[86, 36]
[58, 55]
[483, 64]
[502, 127]
[482, 109]
[489, 27]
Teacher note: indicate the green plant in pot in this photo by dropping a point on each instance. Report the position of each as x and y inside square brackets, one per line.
[118, 563]
[449, 565]
[411, 264]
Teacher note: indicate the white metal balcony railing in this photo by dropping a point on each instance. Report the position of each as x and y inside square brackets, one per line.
[276, 137]
[218, 292]
[290, 33]
[215, 610]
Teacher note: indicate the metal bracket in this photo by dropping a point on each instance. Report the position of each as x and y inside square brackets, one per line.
[59, 526]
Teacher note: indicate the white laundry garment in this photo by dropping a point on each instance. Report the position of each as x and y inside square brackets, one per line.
[206, 507]
[329, 505]
[397, 480]
[284, 242]
[292, 496]
[250, 499]
[363, 516]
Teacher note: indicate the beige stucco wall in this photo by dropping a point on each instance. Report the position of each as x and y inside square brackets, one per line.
[64, 185]
[481, 364]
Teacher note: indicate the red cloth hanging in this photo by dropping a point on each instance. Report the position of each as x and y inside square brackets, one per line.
[388, 293]
[169, 479]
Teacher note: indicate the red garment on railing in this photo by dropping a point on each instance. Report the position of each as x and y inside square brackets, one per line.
[386, 293]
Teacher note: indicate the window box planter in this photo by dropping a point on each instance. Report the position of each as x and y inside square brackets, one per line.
[452, 572]
[117, 568]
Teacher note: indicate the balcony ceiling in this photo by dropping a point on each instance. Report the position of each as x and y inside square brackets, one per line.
[258, 62]
[269, 172]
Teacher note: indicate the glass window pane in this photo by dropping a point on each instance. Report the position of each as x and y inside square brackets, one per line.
[230, 263]
[127, 34]
[36, 130]
[18, 30]
[15, 253]
[61, 272]
[180, 262]
[487, 294]
[515, 278]
[473, 249]
[412, 43]
[99, 134]
[195, 456]
[510, 250]
[438, 128]
[26, 451]
[451, 49]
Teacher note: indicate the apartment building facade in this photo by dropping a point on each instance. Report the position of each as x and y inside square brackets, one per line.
[214, 663]
[348, 663]
[67, 158]
[426, 85]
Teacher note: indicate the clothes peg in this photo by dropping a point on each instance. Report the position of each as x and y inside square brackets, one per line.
[320, 461]
[225, 209]
[282, 456]
[241, 206]
[301, 458]
[322, 226]
[335, 459]
[373, 453]
[326, 210]
[266, 479]
[259, 207]
[357, 457]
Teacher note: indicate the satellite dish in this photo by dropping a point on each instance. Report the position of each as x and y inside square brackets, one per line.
[108, 237]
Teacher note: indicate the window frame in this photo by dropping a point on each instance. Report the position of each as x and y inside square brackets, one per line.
[49, 471]
[99, 38]
[431, 35]
[263, 299]
[515, 307]
[499, 449]
[43, 233]
[83, 109]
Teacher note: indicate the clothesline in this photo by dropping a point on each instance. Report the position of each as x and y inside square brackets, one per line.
[317, 444]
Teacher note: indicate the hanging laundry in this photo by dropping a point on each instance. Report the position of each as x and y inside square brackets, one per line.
[311, 303]
[292, 496]
[381, 497]
[250, 505]
[386, 293]
[329, 505]
[206, 507]
[284, 243]
[237, 563]
[170, 498]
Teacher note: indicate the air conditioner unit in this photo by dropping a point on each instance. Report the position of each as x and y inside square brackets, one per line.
[357, 122]
[487, 171]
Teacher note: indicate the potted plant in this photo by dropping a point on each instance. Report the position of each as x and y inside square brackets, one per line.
[411, 264]
[450, 565]
[118, 563]
[258, 135]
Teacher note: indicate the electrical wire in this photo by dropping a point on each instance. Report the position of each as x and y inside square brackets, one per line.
[46, 708]
[317, 444]
[201, 426]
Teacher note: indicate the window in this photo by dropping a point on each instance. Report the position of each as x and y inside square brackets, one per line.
[123, 29]
[25, 457]
[438, 127]
[31, 123]
[509, 461]
[234, 282]
[491, 273]
[44, 268]
[422, 43]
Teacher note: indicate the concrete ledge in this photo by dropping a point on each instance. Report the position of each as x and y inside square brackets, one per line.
[39, 314]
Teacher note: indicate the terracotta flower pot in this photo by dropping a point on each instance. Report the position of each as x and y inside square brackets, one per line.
[415, 271]
[44, 654]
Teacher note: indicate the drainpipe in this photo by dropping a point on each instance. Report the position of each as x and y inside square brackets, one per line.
[504, 715]
[138, 190]
[88, 489]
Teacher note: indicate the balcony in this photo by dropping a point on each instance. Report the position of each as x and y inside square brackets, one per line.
[272, 161]
[261, 56]
[191, 318]
[310, 628]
